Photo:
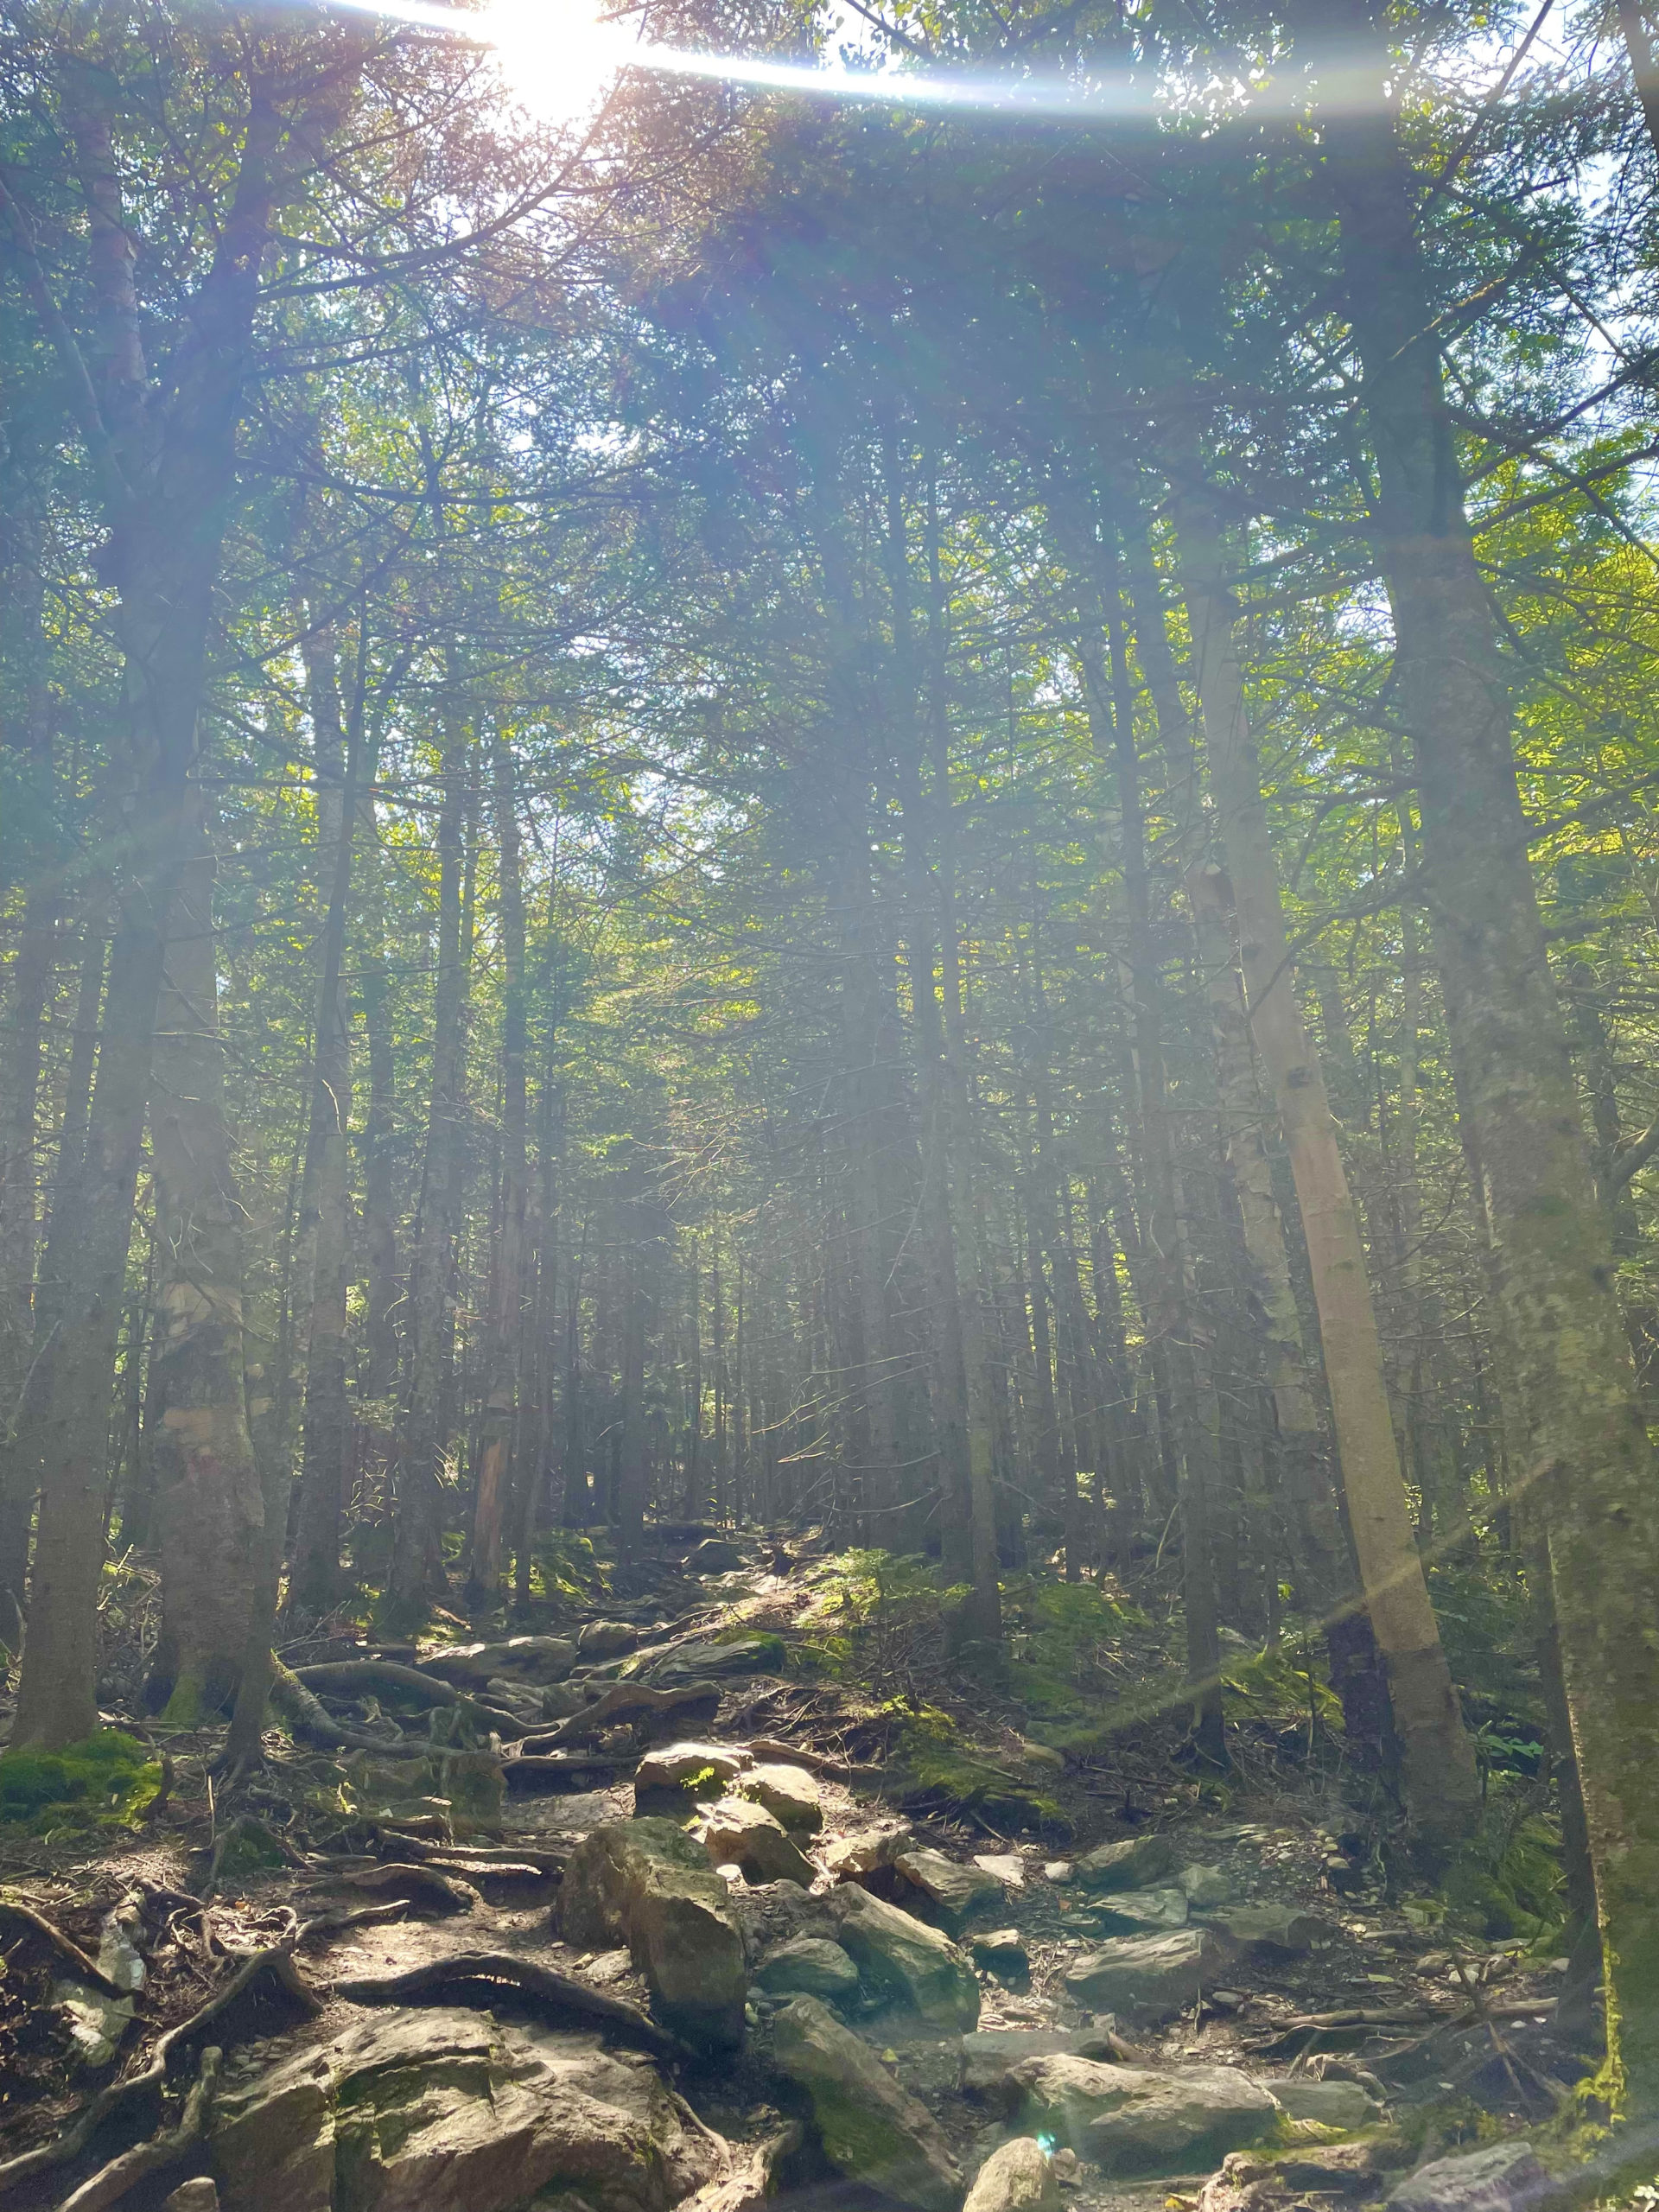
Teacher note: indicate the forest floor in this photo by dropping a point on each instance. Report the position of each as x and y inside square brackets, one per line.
[1327, 1970]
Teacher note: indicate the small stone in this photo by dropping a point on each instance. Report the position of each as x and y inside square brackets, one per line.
[809, 1967]
[736, 1832]
[670, 1778]
[1059, 1870]
[989, 2057]
[851, 1857]
[1226, 2000]
[995, 1942]
[1133, 1863]
[1502, 2178]
[871, 2131]
[789, 1794]
[1016, 2178]
[1007, 1866]
[1206, 1886]
[606, 1639]
[1067, 2168]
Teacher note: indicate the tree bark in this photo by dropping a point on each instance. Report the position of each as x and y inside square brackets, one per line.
[1437, 1765]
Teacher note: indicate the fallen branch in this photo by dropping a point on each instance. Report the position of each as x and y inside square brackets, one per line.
[477, 1978]
[623, 1701]
[415, 1884]
[773, 1747]
[275, 1962]
[13, 1909]
[113, 2181]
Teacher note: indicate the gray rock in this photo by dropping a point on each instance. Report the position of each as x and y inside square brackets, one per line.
[714, 1555]
[1206, 1886]
[1143, 2119]
[1140, 1912]
[1016, 2178]
[1283, 1928]
[1000, 1952]
[990, 2057]
[871, 2131]
[1149, 1976]
[1334, 2104]
[201, 2194]
[809, 1967]
[440, 2110]
[954, 1892]
[98, 2023]
[788, 1793]
[1133, 1863]
[647, 1883]
[606, 1639]
[850, 1858]
[673, 1777]
[906, 1963]
[747, 1655]
[1503, 2177]
[736, 1832]
[532, 1659]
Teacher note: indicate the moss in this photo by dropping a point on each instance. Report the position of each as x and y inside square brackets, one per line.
[103, 1780]
[930, 1763]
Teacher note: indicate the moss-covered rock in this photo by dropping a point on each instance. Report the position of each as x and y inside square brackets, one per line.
[871, 2131]
[104, 1779]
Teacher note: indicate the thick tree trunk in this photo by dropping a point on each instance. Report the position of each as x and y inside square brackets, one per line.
[1437, 1766]
[1590, 1460]
[209, 1510]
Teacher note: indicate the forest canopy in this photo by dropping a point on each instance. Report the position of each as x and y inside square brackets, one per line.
[922, 825]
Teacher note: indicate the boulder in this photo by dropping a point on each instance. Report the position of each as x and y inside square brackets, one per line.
[648, 1884]
[440, 2110]
[1000, 1951]
[736, 1832]
[1142, 2118]
[1334, 2104]
[1138, 1912]
[1205, 1887]
[809, 1967]
[850, 1858]
[747, 1655]
[1283, 1928]
[1016, 2178]
[991, 2057]
[1149, 1976]
[954, 1892]
[671, 1778]
[871, 2131]
[714, 1555]
[1133, 1863]
[906, 1963]
[788, 1793]
[1503, 2177]
[606, 1639]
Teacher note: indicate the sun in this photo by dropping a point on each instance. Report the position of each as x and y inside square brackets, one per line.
[557, 58]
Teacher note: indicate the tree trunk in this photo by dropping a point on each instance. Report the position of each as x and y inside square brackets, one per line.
[1437, 1765]
[209, 1510]
[1590, 1461]
[501, 1406]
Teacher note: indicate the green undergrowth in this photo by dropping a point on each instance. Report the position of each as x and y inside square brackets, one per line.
[1508, 1882]
[1285, 1681]
[1065, 1642]
[103, 1782]
[929, 1762]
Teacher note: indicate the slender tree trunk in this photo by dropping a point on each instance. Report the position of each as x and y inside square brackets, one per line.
[209, 1510]
[501, 1406]
[416, 1558]
[1437, 1765]
[20, 1082]
[1590, 1461]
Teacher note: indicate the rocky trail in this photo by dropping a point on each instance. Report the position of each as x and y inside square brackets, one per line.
[644, 1913]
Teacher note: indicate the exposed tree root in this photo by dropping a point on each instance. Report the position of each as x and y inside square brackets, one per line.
[113, 2181]
[13, 1909]
[624, 1701]
[478, 1978]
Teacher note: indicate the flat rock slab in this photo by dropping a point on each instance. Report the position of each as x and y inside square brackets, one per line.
[606, 1639]
[647, 1883]
[1147, 1976]
[809, 1967]
[1018, 2178]
[1334, 2104]
[1205, 1887]
[1142, 2118]
[1140, 1912]
[1506, 2177]
[905, 1963]
[871, 2131]
[990, 2057]
[747, 1655]
[1135, 1864]
[1279, 1928]
[440, 2110]
[954, 1892]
